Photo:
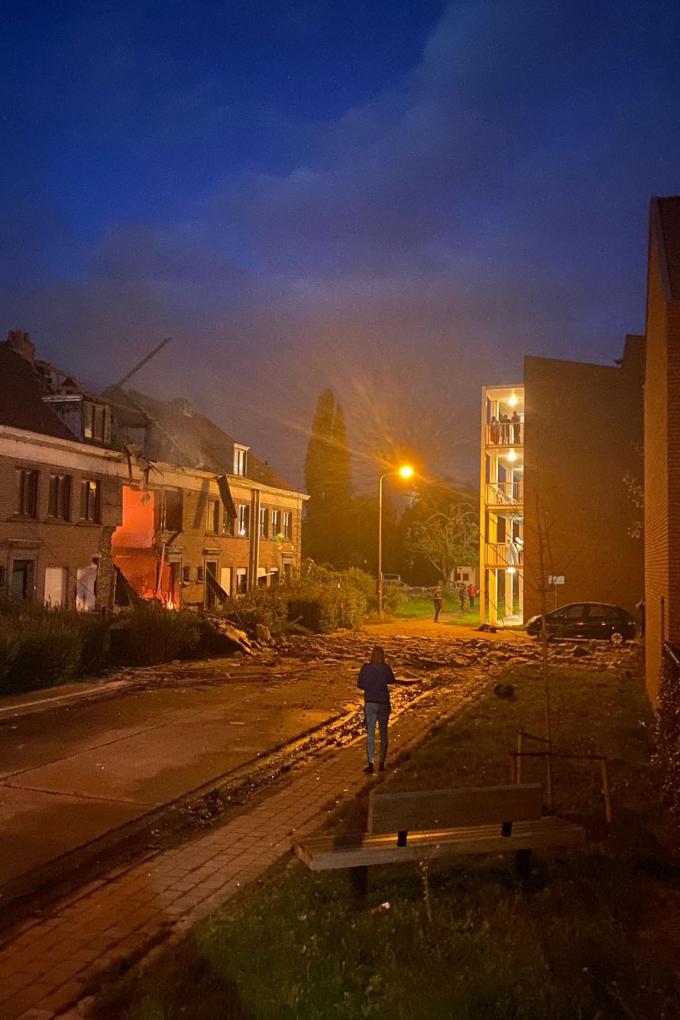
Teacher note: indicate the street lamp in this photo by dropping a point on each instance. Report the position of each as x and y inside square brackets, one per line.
[405, 472]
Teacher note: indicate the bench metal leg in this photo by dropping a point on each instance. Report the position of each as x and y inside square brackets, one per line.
[523, 864]
[359, 880]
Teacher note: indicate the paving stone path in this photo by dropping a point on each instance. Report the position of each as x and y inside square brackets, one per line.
[48, 965]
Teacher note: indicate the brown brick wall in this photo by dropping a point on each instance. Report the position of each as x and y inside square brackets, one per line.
[583, 433]
[662, 467]
[72, 544]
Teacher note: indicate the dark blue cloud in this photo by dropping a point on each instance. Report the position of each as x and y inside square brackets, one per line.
[401, 202]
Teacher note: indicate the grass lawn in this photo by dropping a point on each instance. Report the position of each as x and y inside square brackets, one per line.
[415, 606]
[593, 937]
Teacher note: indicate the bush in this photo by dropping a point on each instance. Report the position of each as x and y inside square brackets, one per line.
[266, 606]
[322, 600]
[151, 634]
[42, 647]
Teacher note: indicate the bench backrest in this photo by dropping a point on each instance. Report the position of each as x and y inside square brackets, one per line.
[423, 810]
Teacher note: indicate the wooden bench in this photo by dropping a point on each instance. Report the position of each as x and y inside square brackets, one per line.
[441, 823]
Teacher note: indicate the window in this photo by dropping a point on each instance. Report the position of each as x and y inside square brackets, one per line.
[173, 509]
[287, 525]
[22, 585]
[95, 421]
[276, 523]
[59, 503]
[213, 522]
[186, 575]
[243, 519]
[90, 500]
[241, 580]
[264, 522]
[199, 574]
[240, 460]
[27, 501]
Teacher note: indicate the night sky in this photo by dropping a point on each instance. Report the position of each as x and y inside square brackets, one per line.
[399, 199]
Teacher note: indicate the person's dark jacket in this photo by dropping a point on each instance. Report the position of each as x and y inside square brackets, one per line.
[373, 680]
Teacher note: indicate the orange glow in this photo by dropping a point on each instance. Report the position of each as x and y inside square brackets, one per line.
[406, 471]
[139, 515]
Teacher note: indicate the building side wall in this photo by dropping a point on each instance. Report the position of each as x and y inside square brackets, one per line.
[583, 434]
[662, 470]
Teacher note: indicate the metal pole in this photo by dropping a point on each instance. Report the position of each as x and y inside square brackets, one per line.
[140, 364]
[605, 793]
[380, 547]
[520, 748]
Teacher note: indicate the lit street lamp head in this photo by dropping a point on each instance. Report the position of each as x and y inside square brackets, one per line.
[405, 471]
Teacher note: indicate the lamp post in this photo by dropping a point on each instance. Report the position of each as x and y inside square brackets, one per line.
[405, 471]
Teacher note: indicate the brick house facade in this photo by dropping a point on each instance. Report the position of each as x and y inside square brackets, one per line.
[662, 437]
[203, 517]
[59, 495]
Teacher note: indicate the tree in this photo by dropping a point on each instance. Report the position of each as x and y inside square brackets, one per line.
[328, 482]
[447, 539]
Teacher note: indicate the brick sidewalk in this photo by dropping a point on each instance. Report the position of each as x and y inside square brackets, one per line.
[47, 965]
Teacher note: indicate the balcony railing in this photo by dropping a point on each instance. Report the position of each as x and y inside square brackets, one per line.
[505, 433]
[503, 554]
[505, 493]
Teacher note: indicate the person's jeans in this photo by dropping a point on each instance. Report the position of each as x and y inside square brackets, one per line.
[376, 712]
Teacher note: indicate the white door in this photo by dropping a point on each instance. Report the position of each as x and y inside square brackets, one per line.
[55, 586]
[225, 579]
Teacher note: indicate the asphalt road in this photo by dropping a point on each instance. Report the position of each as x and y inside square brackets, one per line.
[73, 772]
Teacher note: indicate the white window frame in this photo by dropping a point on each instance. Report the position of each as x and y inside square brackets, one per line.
[240, 460]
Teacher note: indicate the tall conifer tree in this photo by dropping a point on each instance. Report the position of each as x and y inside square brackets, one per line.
[328, 482]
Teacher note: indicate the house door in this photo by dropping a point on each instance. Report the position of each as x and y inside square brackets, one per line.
[55, 586]
[210, 597]
[23, 579]
[225, 579]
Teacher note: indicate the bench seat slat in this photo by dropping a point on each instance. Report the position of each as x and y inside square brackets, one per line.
[455, 807]
[322, 853]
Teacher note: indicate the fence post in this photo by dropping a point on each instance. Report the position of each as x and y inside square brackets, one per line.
[518, 759]
[548, 776]
[605, 793]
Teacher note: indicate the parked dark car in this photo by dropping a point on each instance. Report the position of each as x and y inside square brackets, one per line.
[586, 620]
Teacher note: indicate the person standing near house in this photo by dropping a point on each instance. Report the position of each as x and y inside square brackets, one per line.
[505, 430]
[374, 680]
[516, 427]
[494, 430]
[437, 601]
[472, 595]
[462, 595]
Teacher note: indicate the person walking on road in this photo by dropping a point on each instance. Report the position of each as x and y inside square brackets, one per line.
[374, 680]
[437, 601]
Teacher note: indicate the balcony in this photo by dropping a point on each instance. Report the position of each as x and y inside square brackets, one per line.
[505, 494]
[506, 433]
[503, 555]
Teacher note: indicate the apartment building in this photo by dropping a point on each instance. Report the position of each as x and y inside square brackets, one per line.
[662, 438]
[560, 454]
[59, 485]
[204, 518]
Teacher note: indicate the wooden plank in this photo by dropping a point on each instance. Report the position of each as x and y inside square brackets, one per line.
[445, 809]
[322, 854]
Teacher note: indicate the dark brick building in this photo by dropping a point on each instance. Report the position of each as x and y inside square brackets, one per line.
[662, 437]
[560, 454]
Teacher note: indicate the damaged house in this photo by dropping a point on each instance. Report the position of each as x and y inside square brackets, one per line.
[60, 484]
[105, 499]
[204, 519]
